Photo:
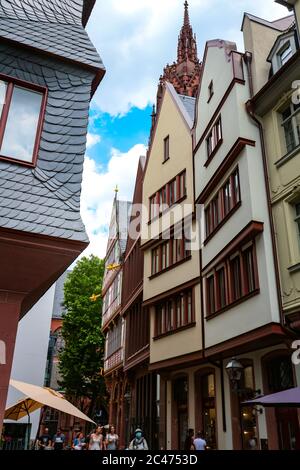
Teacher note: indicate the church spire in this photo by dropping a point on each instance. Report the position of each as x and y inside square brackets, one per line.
[187, 46]
[186, 21]
[184, 74]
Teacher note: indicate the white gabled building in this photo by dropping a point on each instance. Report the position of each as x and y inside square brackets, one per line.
[242, 314]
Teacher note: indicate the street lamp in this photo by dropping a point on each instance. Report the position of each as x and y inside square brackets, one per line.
[234, 370]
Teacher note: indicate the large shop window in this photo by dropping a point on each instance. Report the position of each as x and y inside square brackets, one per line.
[170, 253]
[291, 126]
[171, 193]
[232, 280]
[174, 313]
[22, 108]
[225, 201]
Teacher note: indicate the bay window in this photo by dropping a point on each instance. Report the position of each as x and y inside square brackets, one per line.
[171, 193]
[171, 251]
[22, 107]
[236, 278]
[226, 199]
[174, 313]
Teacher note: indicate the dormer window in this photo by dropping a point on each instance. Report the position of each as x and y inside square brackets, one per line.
[285, 53]
[22, 106]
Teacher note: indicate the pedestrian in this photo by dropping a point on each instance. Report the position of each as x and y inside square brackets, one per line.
[79, 442]
[138, 442]
[200, 442]
[97, 440]
[112, 439]
[44, 441]
[58, 441]
[189, 440]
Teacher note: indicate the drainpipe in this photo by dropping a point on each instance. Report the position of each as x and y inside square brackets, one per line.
[250, 110]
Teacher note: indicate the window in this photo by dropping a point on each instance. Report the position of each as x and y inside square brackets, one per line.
[210, 91]
[155, 260]
[189, 307]
[215, 211]
[211, 295]
[171, 251]
[214, 137]
[166, 148]
[221, 288]
[235, 279]
[114, 338]
[173, 192]
[235, 187]
[174, 313]
[291, 126]
[235, 268]
[21, 120]
[285, 54]
[297, 220]
[153, 207]
[226, 199]
[248, 263]
[168, 195]
[182, 187]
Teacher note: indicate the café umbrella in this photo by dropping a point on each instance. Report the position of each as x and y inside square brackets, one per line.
[287, 398]
[35, 398]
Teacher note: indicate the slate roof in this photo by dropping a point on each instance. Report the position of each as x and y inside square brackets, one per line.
[190, 104]
[53, 26]
[281, 24]
[124, 212]
[54, 11]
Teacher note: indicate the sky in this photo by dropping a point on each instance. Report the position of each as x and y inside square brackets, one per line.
[136, 39]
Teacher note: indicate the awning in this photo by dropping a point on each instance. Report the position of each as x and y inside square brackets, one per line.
[37, 397]
[287, 398]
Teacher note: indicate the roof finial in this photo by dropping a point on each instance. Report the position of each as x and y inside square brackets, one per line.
[186, 21]
[116, 190]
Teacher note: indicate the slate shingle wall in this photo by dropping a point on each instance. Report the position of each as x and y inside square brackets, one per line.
[54, 11]
[68, 41]
[46, 199]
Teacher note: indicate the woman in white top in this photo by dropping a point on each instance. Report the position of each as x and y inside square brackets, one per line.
[112, 439]
[96, 440]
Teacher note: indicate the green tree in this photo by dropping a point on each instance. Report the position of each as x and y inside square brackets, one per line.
[81, 360]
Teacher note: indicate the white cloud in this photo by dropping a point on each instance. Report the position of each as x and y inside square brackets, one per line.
[136, 38]
[98, 192]
[92, 139]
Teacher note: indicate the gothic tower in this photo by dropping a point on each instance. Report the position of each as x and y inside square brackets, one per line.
[184, 74]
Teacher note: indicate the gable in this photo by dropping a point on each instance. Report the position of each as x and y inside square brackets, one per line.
[170, 122]
[218, 69]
